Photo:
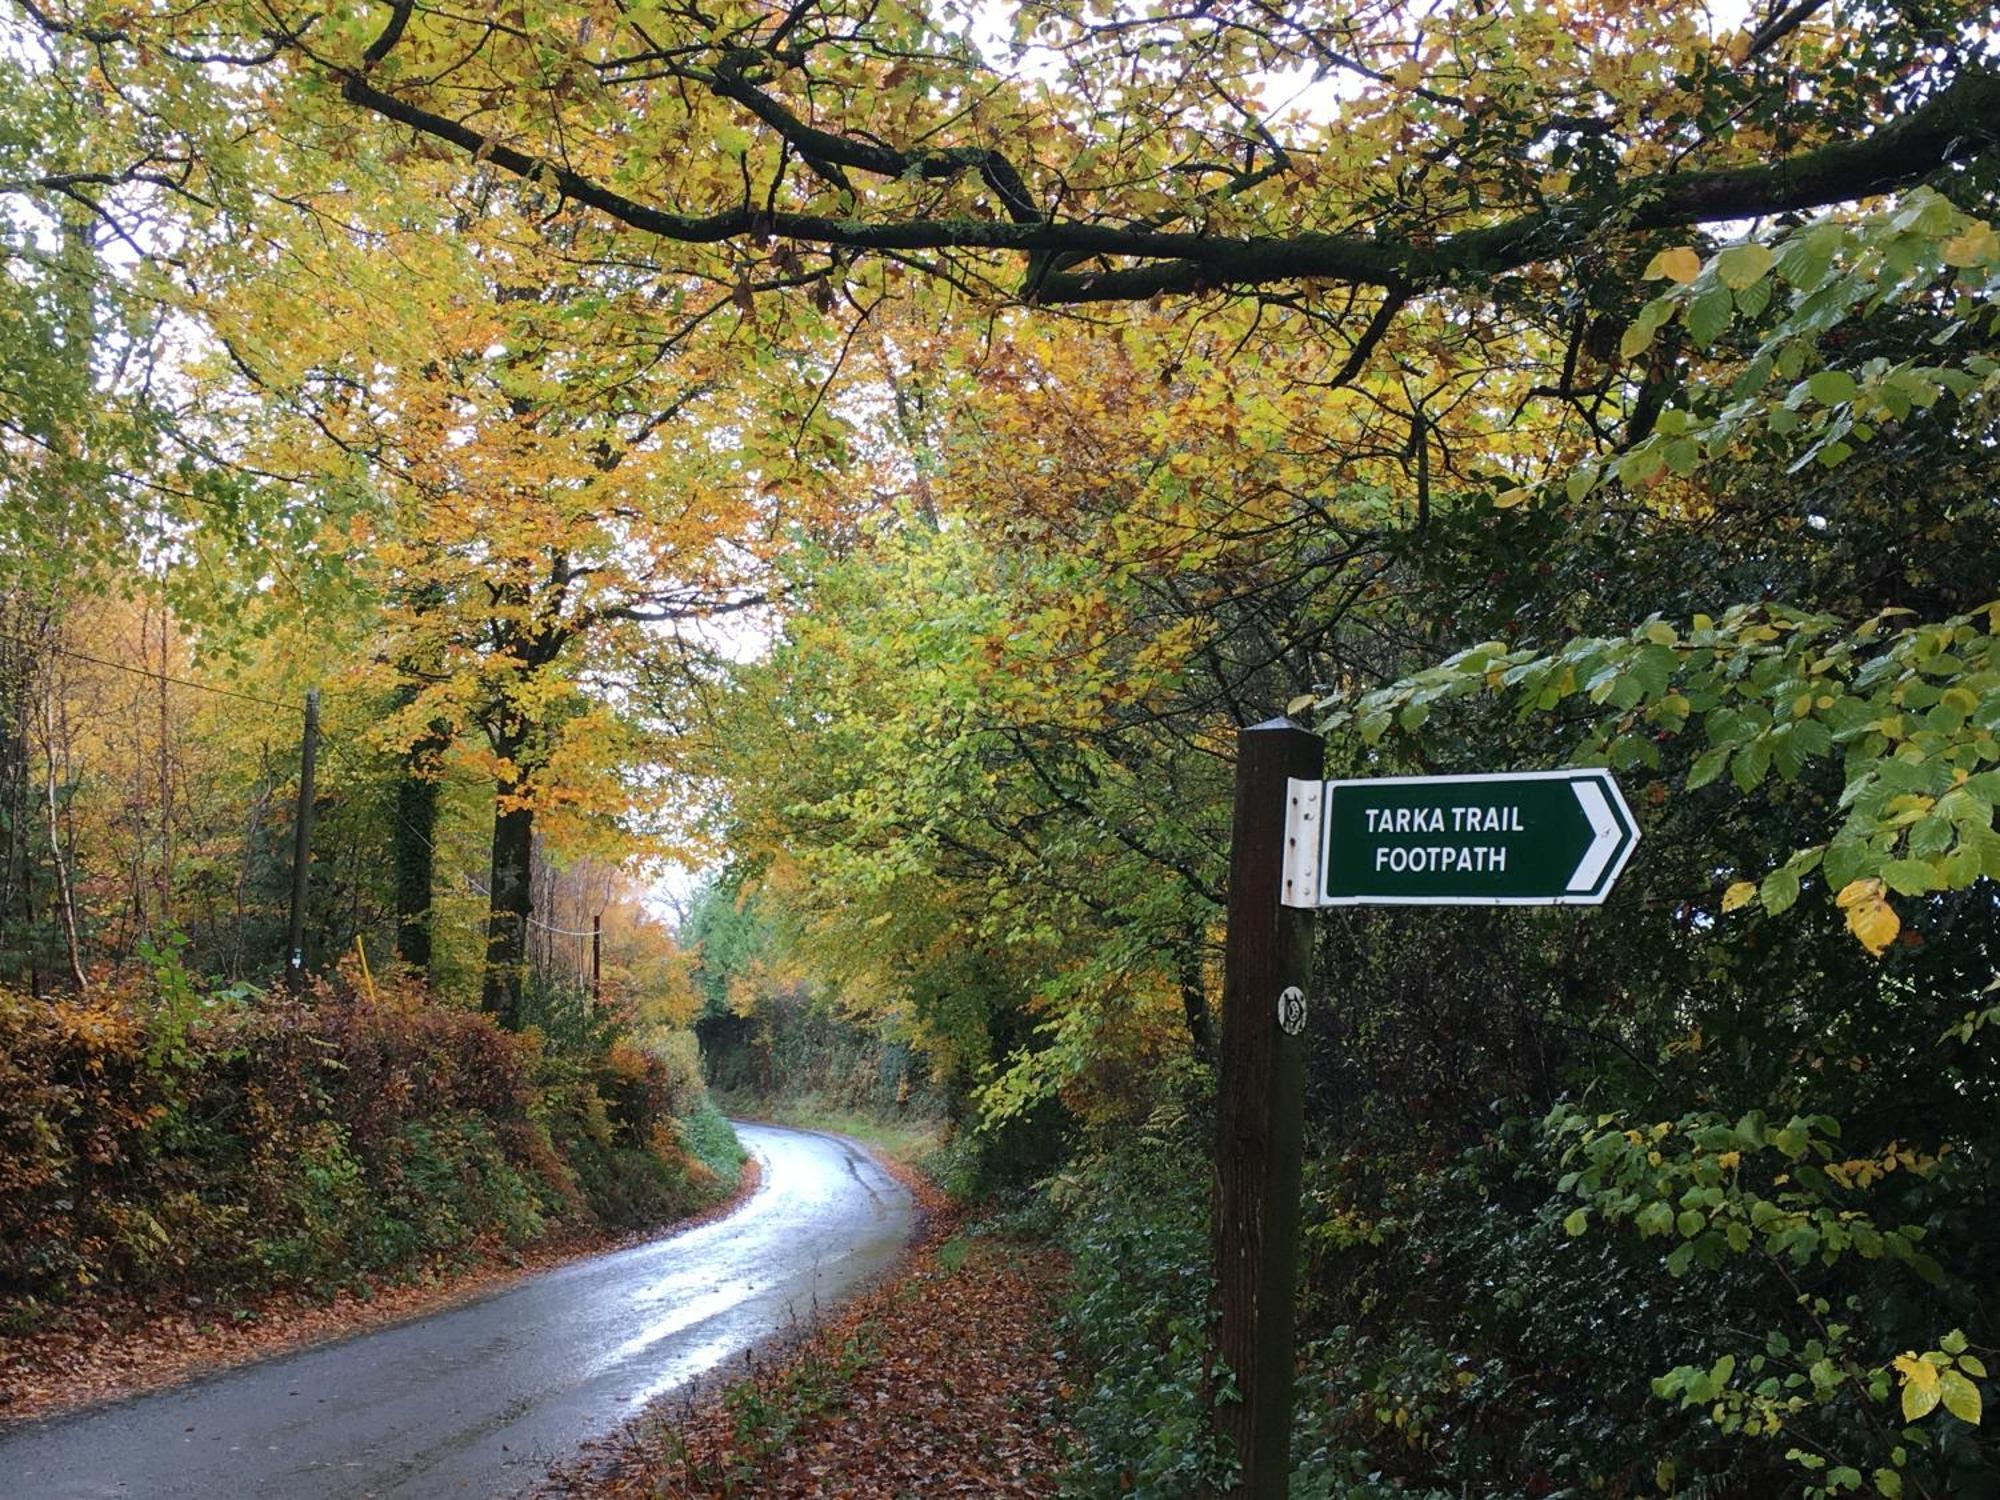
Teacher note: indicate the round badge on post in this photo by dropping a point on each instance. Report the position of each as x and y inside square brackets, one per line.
[1292, 1011]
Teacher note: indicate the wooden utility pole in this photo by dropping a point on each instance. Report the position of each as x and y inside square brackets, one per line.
[295, 937]
[1261, 1112]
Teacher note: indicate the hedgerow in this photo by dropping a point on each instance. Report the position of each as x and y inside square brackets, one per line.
[157, 1139]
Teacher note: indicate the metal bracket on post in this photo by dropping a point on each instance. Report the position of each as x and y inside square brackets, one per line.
[1305, 817]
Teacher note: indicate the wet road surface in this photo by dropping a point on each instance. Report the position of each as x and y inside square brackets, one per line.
[479, 1400]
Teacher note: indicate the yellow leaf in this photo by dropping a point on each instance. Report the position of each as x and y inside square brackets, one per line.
[1920, 1386]
[1740, 894]
[1680, 264]
[1869, 915]
[1508, 499]
[1300, 703]
[1875, 924]
[1979, 243]
[1857, 891]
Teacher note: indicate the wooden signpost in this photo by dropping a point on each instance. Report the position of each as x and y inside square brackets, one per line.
[1535, 838]
[1261, 1109]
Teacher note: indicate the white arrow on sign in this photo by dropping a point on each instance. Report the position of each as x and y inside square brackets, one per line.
[1605, 835]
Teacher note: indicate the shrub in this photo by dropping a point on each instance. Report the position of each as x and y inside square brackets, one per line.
[1137, 1232]
[157, 1139]
[709, 1139]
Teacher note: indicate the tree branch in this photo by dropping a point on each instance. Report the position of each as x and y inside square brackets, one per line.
[1960, 122]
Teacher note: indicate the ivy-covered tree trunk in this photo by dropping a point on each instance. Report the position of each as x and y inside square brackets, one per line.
[16, 891]
[24, 665]
[519, 736]
[510, 904]
[415, 840]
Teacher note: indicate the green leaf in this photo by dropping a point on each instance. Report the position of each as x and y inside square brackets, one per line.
[1961, 1397]
[1780, 890]
[1709, 314]
[1708, 765]
[1639, 336]
[1831, 387]
[1849, 860]
[1577, 1222]
[1683, 455]
[1754, 298]
[1655, 1218]
[1910, 877]
[1641, 464]
[1637, 339]
[1802, 263]
[1742, 265]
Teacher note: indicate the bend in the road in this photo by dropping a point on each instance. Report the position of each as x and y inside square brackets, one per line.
[478, 1400]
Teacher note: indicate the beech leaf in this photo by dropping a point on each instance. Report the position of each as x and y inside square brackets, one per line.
[1679, 264]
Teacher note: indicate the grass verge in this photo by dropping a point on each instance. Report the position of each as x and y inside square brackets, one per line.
[903, 1142]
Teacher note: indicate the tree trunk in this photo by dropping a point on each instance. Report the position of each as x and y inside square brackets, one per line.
[65, 895]
[16, 861]
[510, 902]
[166, 776]
[1194, 998]
[415, 840]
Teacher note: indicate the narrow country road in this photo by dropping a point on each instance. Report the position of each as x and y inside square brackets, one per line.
[478, 1400]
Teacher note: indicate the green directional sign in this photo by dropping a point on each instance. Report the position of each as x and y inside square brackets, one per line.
[1532, 838]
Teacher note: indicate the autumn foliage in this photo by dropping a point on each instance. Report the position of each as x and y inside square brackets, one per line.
[154, 1141]
[895, 447]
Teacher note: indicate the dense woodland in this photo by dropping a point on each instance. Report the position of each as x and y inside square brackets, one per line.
[879, 454]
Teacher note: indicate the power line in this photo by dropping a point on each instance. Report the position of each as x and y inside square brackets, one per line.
[147, 672]
[533, 920]
[474, 886]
